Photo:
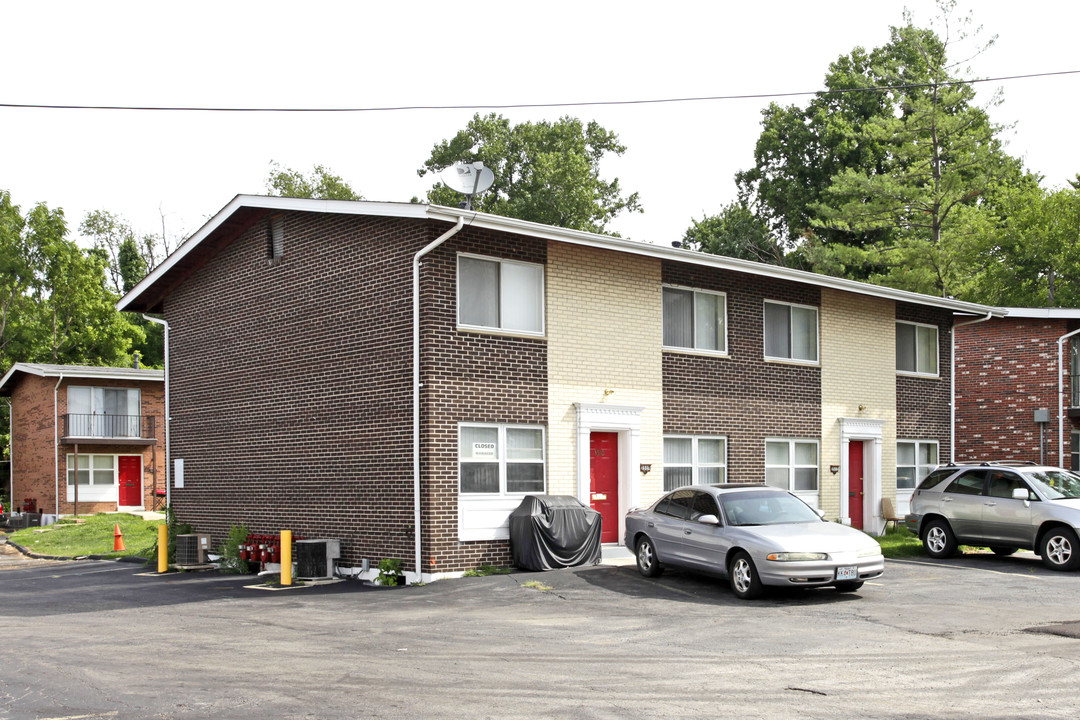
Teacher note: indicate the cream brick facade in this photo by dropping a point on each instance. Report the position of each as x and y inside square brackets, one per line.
[604, 338]
[858, 395]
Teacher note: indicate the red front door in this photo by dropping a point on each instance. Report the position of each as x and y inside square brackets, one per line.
[604, 482]
[855, 484]
[130, 472]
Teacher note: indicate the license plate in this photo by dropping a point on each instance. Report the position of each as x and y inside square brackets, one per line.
[849, 572]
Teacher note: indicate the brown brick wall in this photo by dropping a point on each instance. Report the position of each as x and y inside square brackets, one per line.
[923, 404]
[1006, 369]
[471, 377]
[292, 402]
[742, 396]
[34, 449]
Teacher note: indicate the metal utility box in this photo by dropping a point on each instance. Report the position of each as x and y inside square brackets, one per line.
[192, 549]
[315, 558]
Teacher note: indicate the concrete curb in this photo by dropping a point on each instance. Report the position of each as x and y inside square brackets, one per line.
[38, 556]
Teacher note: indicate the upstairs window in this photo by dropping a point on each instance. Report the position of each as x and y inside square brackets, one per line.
[103, 412]
[695, 319]
[791, 332]
[916, 348]
[500, 295]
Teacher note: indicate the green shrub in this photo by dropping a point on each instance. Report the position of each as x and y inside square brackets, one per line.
[230, 551]
[389, 570]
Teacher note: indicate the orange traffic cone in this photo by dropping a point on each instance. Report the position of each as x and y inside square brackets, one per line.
[118, 539]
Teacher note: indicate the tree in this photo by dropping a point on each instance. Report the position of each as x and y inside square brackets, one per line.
[544, 172]
[736, 232]
[1031, 256]
[19, 260]
[321, 183]
[943, 155]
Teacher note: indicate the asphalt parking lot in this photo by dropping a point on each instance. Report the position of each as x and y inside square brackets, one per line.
[977, 636]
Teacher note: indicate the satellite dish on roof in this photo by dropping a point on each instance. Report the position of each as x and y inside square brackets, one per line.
[468, 179]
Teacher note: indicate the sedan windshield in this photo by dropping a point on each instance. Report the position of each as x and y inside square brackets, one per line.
[766, 508]
[1055, 484]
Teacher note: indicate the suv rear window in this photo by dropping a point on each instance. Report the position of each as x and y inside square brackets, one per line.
[935, 477]
[969, 483]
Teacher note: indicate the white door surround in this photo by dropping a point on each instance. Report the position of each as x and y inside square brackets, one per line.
[869, 432]
[624, 420]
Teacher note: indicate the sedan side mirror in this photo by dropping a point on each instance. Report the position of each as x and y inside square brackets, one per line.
[1021, 494]
[709, 520]
[820, 513]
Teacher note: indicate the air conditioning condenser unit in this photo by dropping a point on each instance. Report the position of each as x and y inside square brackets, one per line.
[315, 559]
[192, 549]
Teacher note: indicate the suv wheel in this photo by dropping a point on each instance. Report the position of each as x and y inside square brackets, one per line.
[938, 540]
[1060, 550]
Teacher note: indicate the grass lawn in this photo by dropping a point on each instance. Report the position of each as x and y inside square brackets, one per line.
[900, 543]
[93, 537]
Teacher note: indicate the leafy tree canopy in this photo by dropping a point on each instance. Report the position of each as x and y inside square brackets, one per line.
[544, 172]
[736, 232]
[320, 183]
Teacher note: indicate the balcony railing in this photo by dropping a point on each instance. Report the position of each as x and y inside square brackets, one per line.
[107, 427]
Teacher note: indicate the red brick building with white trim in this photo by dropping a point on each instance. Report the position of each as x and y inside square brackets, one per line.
[108, 421]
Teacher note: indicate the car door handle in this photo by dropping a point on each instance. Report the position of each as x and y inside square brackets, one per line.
[946, 499]
[651, 524]
[688, 532]
[989, 504]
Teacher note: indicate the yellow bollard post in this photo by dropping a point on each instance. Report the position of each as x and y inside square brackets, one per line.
[286, 557]
[163, 548]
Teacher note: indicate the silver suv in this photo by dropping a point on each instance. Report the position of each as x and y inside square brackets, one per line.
[1004, 506]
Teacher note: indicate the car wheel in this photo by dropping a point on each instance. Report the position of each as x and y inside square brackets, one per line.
[848, 586]
[745, 582]
[647, 562]
[939, 540]
[1003, 550]
[1060, 550]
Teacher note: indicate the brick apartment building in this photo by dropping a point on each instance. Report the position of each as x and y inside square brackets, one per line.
[110, 419]
[550, 360]
[1017, 395]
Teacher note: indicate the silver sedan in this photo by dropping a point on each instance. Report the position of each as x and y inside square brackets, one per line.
[752, 534]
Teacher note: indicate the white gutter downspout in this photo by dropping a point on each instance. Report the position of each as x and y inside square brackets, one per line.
[416, 381]
[56, 449]
[168, 415]
[1061, 399]
[952, 383]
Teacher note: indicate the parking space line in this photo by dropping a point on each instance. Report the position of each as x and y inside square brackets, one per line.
[965, 567]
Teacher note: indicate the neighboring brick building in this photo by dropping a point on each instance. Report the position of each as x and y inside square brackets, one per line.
[549, 360]
[111, 418]
[1009, 373]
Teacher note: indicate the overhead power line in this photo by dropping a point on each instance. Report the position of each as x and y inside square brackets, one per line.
[512, 106]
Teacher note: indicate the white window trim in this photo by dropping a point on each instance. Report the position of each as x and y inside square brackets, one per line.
[697, 350]
[817, 336]
[694, 464]
[929, 468]
[93, 492]
[791, 466]
[937, 353]
[503, 460]
[500, 330]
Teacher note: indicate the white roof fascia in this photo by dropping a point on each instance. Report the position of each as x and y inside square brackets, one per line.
[1044, 313]
[549, 232]
[84, 372]
[608, 242]
[340, 207]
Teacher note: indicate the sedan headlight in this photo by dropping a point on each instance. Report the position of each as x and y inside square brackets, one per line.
[870, 551]
[796, 556]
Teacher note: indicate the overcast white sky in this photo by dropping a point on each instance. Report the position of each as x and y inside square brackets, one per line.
[681, 157]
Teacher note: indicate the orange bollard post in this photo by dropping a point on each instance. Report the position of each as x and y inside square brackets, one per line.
[286, 557]
[163, 548]
[118, 539]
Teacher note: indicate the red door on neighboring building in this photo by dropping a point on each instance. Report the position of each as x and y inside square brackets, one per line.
[855, 484]
[604, 482]
[130, 474]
